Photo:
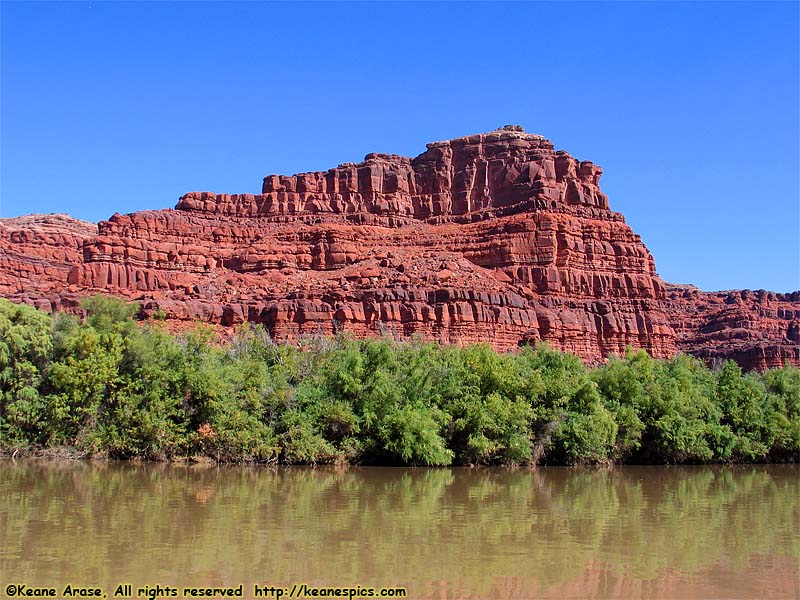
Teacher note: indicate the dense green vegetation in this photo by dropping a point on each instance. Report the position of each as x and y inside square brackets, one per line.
[108, 385]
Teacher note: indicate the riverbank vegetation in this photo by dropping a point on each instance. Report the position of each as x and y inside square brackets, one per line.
[109, 386]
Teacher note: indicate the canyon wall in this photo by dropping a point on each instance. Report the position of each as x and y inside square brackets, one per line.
[494, 237]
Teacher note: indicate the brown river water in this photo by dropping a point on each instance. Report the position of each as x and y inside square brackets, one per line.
[627, 532]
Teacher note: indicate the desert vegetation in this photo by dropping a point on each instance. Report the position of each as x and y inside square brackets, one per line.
[107, 385]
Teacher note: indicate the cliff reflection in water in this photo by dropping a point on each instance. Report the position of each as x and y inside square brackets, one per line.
[443, 533]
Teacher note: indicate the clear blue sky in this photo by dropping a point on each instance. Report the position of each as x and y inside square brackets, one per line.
[691, 108]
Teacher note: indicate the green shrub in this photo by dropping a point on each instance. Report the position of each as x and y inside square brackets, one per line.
[111, 385]
[145, 414]
[783, 387]
[26, 344]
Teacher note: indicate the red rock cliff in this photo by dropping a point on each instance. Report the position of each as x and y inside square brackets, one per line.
[494, 237]
[37, 253]
[758, 329]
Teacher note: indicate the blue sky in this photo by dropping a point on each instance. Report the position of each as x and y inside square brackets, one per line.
[691, 108]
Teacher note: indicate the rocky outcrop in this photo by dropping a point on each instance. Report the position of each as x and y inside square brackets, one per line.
[758, 329]
[37, 253]
[494, 237]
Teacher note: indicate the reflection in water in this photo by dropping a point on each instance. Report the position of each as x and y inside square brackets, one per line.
[444, 533]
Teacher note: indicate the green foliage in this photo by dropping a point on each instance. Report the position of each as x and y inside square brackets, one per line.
[744, 402]
[110, 385]
[411, 433]
[144, 415]
[26, 343]
[682, 421]
[82, 374]
[783, 387]
[228, 396]
[492, 412]
[588, 431]
[623, 386]
[106, 314]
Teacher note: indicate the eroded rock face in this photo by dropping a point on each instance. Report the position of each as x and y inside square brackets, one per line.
[37, 253]
[758, 329]
[494, 237]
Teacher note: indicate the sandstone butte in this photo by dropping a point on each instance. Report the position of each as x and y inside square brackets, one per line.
[495, 237]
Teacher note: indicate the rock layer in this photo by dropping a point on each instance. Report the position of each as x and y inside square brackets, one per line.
[758, 329]
[37, 253]
[494, 237]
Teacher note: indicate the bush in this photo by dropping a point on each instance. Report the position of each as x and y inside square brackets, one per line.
[26, 344]
[110, 385]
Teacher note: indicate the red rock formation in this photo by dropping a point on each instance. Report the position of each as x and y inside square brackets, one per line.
[494, 237]
[36, 255]
[759, 330]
